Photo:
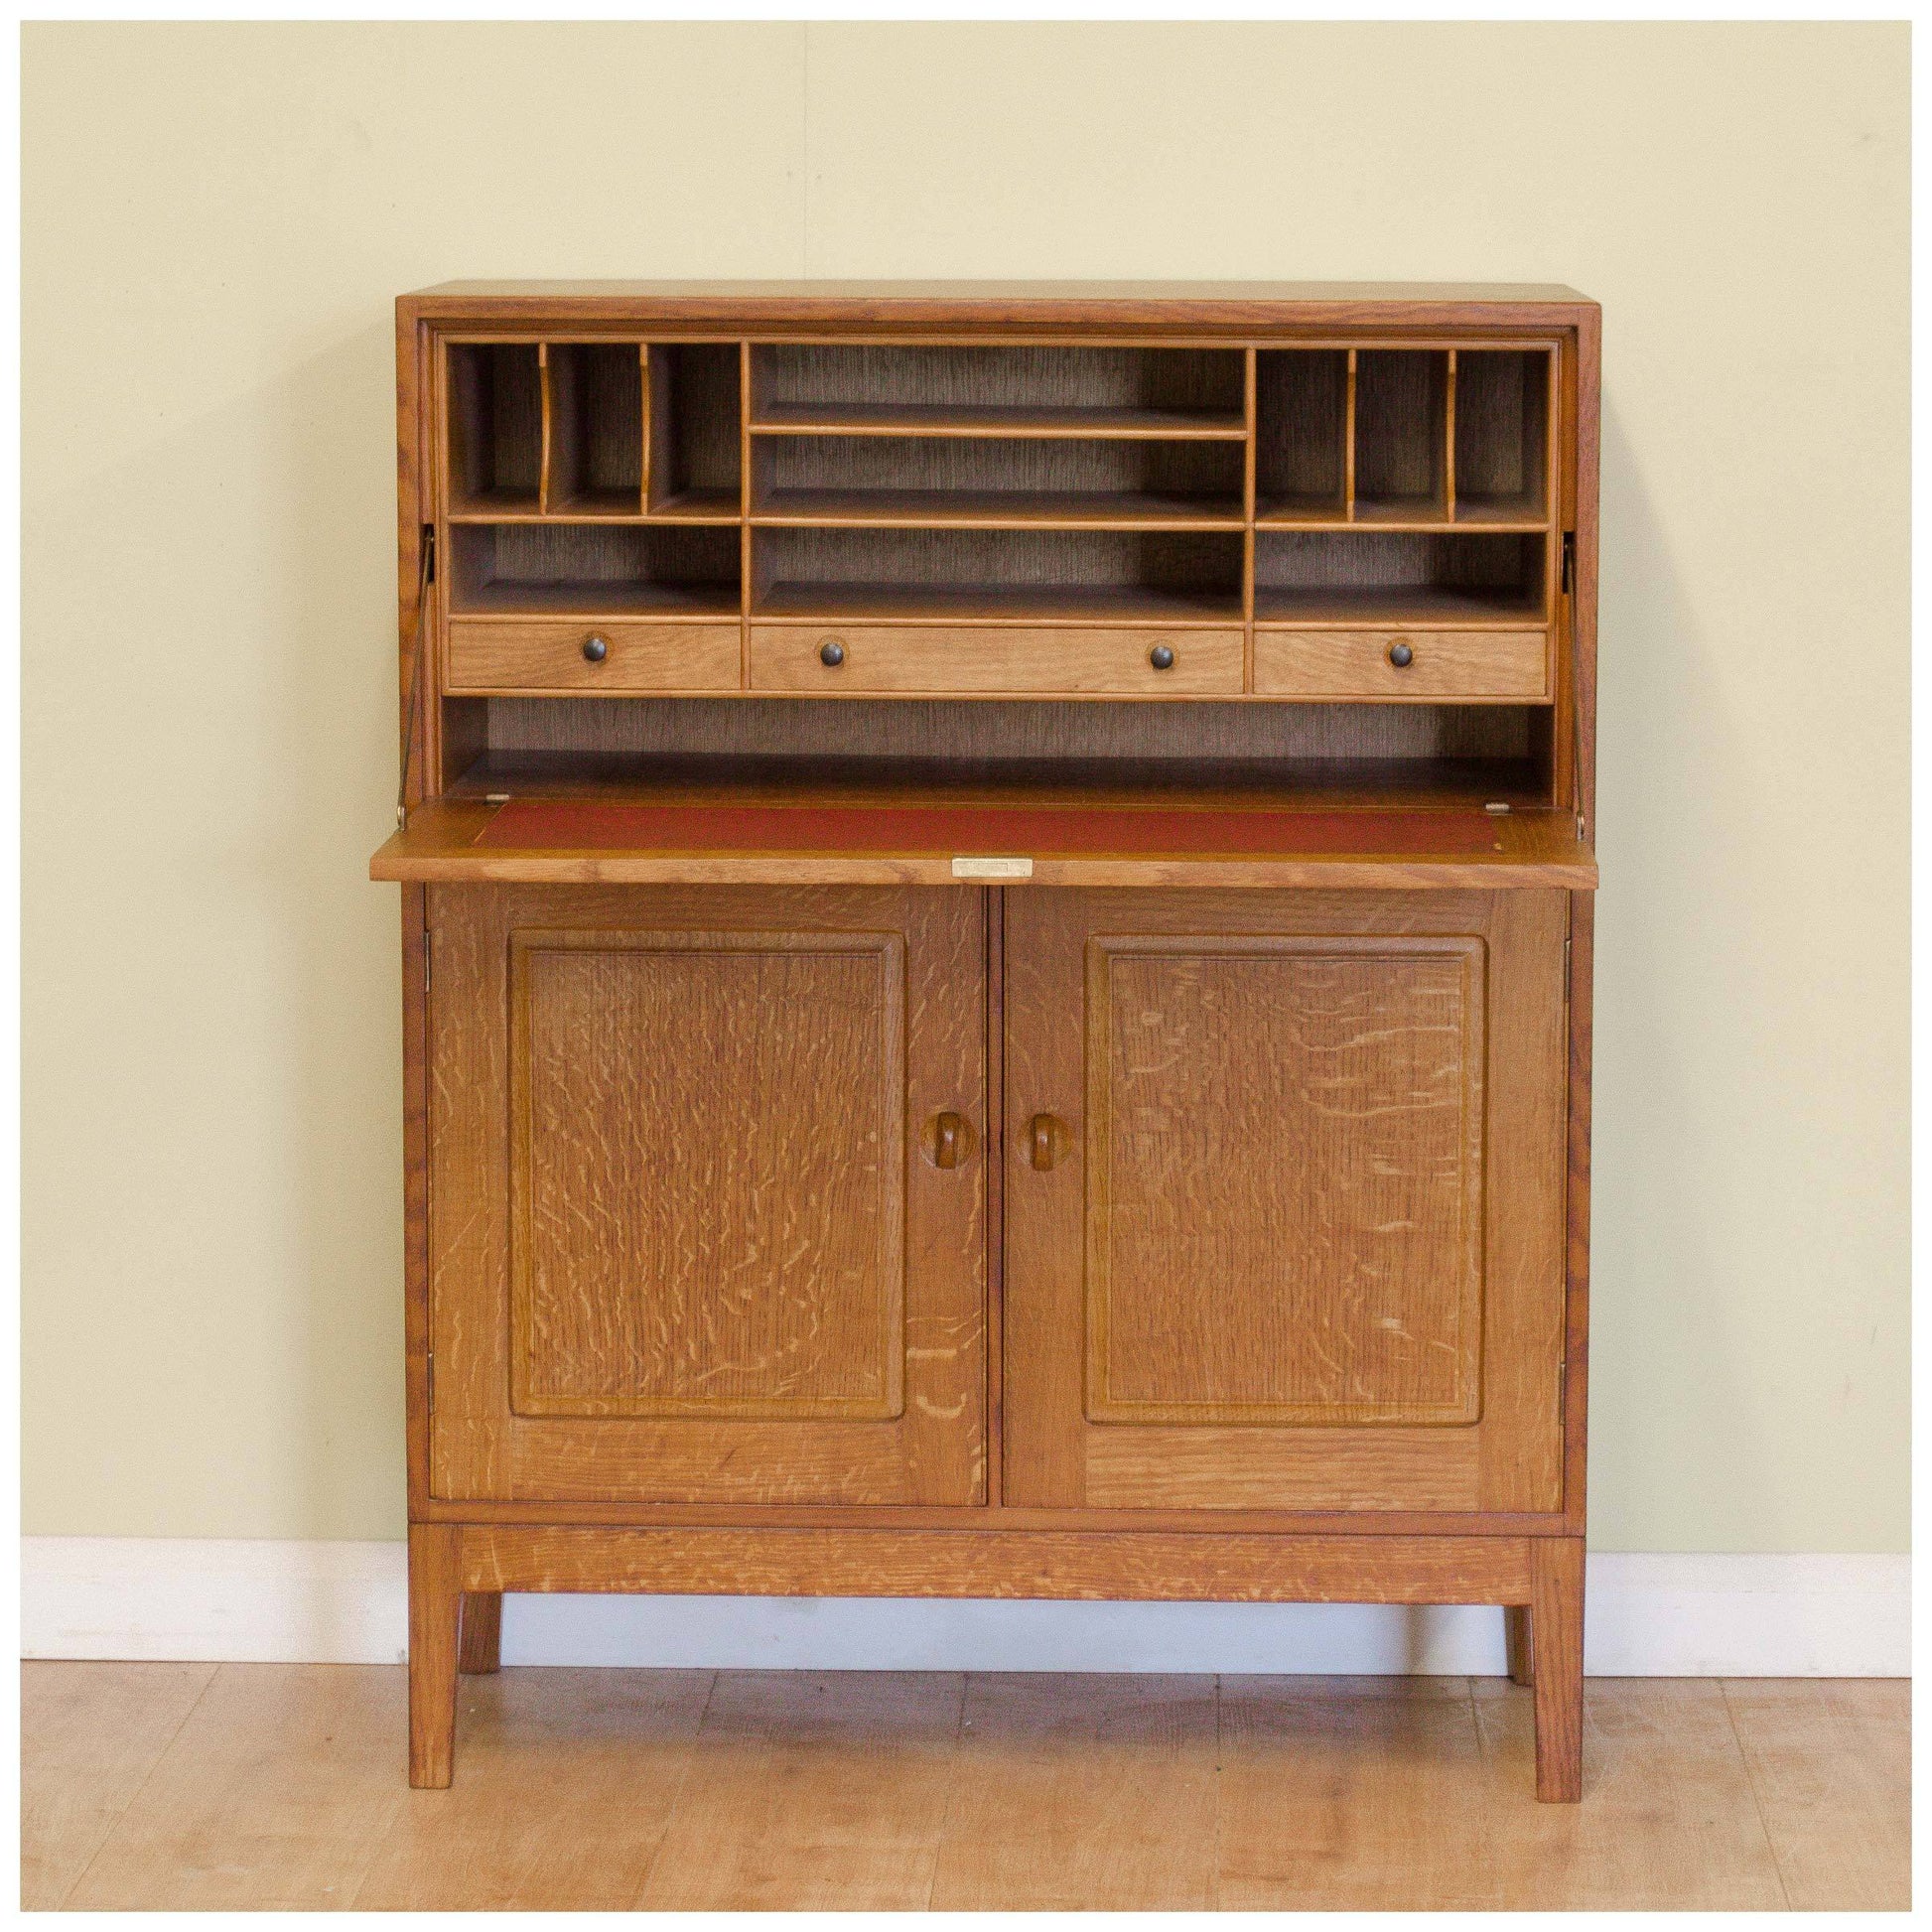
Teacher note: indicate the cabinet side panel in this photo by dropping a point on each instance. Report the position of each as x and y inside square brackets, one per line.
[468, 1178]
[415, 1194]
[1575, 1386]
[1522, 1437]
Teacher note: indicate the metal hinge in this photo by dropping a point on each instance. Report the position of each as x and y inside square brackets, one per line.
[1569, 562]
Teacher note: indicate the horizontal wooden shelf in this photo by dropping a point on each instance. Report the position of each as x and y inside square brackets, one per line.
[698, 506]
[1520, 518]
[598, 598]
[1524, 512]
[1329, 605]
[1404, 513]
[1302, 512]
[493, 507]
[612, 507]
[996, 419]
[997, 509]
[1049, 604]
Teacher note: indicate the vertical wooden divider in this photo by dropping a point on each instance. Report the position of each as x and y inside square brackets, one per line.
[643, 433]
[744, 559]
[1248, 534]
[1449, 442]
[548, 413]
[994, 1145]
[1348, 449]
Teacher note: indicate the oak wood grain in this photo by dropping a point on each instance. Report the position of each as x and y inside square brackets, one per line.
[435, 1604]
[672, 1253]
[1202, 1566]
[548, 655]
[944, 661]
[1557, 1635]
[1285, 1178]
[1471, 666]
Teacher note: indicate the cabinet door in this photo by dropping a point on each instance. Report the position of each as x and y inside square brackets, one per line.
[695, 1234]
[1285, 1199]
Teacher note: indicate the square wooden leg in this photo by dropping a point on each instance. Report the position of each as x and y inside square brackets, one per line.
[481, 1649]
[1557, 1638]
[1516, 1642]
[434, 1599]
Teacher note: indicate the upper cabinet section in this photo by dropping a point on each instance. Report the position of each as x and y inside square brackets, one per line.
[1269, 518]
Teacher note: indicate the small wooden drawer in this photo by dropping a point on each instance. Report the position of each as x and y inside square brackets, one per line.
[835, 661]
[553, 655]
[1435, 665]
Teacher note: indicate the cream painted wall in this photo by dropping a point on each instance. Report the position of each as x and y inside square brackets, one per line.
[217, 218]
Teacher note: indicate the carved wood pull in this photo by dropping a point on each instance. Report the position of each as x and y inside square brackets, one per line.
[948, 1141]
[1048, 1139]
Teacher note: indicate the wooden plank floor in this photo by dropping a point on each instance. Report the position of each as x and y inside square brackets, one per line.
[203, 1786]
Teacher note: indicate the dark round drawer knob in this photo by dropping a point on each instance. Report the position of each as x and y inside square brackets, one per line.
[595, 650]
[1162, 657]
[1401, 656]
[831, 653]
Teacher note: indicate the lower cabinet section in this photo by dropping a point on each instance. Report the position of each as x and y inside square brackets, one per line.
[1281, 1198]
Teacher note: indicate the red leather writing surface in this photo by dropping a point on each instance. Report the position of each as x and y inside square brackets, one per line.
[1019, 831]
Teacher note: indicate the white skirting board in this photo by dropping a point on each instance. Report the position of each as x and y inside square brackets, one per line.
[344, 1603]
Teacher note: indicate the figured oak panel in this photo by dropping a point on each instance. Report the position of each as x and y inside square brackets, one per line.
[1283, 1178]
[707, 1188]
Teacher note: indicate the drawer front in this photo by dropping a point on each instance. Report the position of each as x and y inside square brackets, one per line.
[1451, 664]
[502, 654]
[994, 660]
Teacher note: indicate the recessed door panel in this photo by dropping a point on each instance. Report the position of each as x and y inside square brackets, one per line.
[1291, 1233]
[695, 1234]
[707, 1187]
[1283, 1178]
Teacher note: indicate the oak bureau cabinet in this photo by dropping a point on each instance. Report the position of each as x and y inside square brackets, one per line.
[996, 935]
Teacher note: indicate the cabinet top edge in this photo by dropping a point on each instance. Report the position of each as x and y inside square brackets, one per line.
[967, 302]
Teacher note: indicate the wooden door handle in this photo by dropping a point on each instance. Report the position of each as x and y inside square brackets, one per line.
[1047, 1138]
[949, 1138]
